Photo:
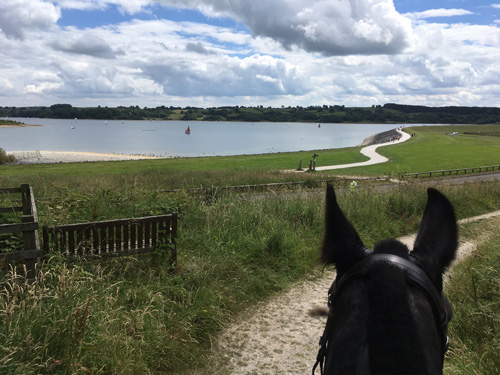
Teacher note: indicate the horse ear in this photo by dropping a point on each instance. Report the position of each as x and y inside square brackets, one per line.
[437, 238]
[341, 243]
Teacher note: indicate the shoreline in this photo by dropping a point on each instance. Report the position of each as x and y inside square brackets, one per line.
[52, 157]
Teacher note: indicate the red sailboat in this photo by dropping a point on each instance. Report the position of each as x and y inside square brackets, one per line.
[188, 131]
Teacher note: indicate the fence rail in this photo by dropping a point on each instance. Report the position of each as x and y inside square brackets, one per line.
[28, 227]
[113, 237]
[452, 171]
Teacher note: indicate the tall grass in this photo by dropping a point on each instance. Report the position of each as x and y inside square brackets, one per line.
[475, 328]
[131, 316]
[6, 158]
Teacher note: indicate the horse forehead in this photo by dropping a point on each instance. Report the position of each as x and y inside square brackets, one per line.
[391, 246]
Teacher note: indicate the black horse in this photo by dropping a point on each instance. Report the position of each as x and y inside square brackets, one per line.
[387, 311]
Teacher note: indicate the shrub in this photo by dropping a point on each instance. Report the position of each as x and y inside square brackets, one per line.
[5, 158]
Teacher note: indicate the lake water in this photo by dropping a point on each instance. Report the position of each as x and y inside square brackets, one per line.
[167, 138]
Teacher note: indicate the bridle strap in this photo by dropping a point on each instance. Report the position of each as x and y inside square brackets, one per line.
[323, 341]
[415, 277]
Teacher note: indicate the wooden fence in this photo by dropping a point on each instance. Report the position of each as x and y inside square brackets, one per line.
[28, 227]
[113, 237]
[452, 171]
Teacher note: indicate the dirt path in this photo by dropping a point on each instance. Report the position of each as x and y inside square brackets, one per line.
[280, 336]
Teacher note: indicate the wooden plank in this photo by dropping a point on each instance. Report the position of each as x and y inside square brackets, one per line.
[140, 235]
[147, 234]
[86, 244]
[111, 239]
[174, 241]
[95, 240]
[103, 241]
[107, 223]
[46, 241]
[126, 237]
[118, 238]
[63, 242]
[71, 242]
[10, 190]
[16, 228]
[31, 242]
[154, 233]
[8, 210]
[133, 236]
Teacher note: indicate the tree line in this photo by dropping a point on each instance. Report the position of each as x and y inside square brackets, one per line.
[388, 113]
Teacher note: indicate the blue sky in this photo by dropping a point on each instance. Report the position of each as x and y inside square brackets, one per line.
[249, 52]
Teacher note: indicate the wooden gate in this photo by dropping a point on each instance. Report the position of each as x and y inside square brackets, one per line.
[28, 227]
[113, 237]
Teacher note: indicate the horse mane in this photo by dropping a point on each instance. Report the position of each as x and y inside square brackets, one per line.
[390, 321]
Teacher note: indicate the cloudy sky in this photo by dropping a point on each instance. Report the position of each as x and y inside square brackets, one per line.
[212, 53]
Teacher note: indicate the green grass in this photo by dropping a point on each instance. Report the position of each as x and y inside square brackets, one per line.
[475, 294]
[433, 149]
[233, 164]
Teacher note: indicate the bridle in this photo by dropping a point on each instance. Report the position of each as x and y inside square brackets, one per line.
[415, 277]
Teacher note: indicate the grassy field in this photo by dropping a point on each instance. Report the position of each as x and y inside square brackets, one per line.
[131, 316]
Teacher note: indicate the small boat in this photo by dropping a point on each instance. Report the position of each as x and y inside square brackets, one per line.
[187, 131]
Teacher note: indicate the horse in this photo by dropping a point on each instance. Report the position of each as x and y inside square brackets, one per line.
[387, 311]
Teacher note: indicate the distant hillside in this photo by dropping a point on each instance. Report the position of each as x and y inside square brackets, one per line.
[389, 113]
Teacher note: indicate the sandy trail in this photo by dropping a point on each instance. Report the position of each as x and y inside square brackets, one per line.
[280, 336]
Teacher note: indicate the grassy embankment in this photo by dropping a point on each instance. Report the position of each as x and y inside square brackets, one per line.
[130, 316]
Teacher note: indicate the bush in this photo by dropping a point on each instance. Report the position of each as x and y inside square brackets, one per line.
[5, 158]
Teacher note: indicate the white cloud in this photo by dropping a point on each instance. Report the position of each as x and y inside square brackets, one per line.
[126, 6]
[319, 26]
[88, 43]
[431, 13]
[19, 16]
[227, 76]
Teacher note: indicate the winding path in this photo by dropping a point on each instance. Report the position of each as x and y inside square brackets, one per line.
[370, 152]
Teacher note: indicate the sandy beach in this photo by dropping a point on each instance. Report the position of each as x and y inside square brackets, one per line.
[47, 157]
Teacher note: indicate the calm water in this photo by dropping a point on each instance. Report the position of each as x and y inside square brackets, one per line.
[167, 138]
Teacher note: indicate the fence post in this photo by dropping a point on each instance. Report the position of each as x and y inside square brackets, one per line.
[174, 241]
[30, 238]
